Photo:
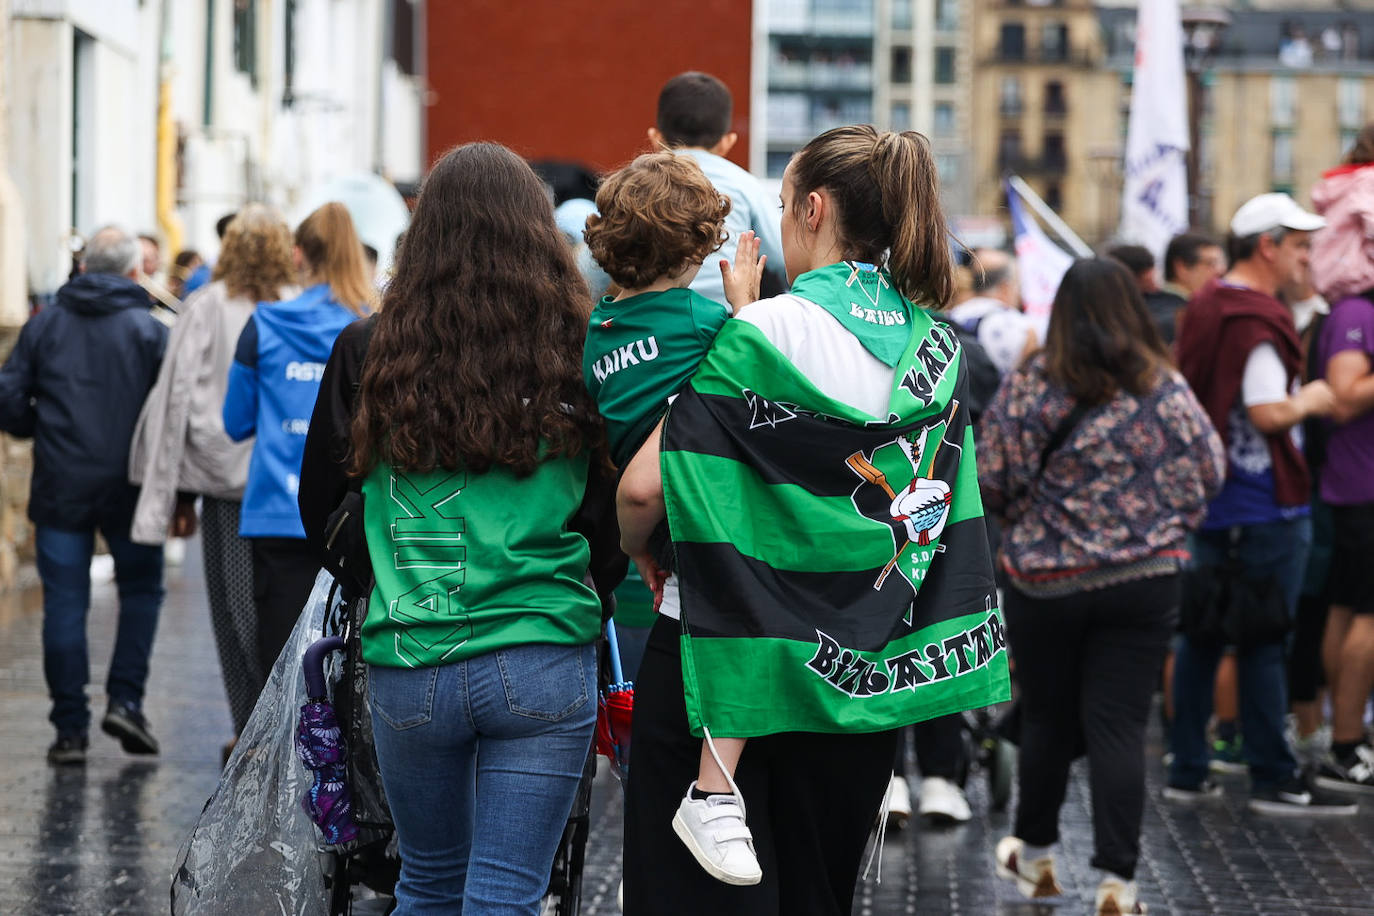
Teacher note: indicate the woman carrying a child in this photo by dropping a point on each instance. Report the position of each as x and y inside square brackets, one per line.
[831, 578]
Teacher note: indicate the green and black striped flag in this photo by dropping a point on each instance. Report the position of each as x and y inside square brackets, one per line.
[834, 568]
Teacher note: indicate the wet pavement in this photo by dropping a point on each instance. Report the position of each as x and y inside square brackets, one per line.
[101, 839]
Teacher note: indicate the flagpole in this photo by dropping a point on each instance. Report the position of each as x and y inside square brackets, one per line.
[1043, 210]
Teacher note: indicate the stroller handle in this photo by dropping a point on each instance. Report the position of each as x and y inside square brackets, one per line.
[313, 664]
[616, 671]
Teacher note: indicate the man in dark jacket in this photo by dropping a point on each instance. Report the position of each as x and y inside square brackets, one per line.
[75, 382]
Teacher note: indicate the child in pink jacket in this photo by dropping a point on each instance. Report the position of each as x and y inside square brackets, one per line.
[1343, 252]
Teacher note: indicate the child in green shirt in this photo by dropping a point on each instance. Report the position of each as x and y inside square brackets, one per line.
[658, 219]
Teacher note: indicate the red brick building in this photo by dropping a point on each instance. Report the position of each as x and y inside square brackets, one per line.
[576, 80]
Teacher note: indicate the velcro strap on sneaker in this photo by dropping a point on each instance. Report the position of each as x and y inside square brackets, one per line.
[722, 810]
[732, 833]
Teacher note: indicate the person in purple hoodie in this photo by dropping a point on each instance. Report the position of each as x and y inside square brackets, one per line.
[1345, 355]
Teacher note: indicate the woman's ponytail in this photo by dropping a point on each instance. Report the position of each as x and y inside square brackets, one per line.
[334, 253]
[888, 196]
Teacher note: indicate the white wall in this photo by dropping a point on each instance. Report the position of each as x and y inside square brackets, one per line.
[352, 113]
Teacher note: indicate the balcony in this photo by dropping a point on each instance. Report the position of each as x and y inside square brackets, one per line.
[1055, 57]
[793, 75]
[1011, 108]
[1050, 166]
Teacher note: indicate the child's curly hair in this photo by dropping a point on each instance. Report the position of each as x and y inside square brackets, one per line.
[654, 217]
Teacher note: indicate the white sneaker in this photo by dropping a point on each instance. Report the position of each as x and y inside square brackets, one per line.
[898, 802]
[1033, 879]
[1118, 898]
[714, 832]
[943, 802]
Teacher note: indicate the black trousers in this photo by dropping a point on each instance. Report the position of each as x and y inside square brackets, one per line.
[940, 748]
[811, 802]
[1087, 665]
[284, 571]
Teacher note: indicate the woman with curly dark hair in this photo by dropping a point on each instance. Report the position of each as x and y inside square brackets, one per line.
[483, 466]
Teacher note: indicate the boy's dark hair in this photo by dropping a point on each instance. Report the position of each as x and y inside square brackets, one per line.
[654, 217]
[222, 224]
[1137, 258]
[1187, 248]
[694, 109]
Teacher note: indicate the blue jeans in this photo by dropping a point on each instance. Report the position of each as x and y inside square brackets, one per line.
[1277, 549]
[481, 760]
[64, 565]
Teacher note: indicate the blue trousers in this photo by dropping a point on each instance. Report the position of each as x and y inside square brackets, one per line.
[64, 566]
[481, 760]
[1277, 549]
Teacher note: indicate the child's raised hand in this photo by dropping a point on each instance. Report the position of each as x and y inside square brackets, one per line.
[742, 279]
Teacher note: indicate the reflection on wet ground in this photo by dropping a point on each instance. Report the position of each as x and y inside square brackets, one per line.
[102, 839]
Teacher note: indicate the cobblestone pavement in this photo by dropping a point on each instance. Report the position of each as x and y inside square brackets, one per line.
[101, 839]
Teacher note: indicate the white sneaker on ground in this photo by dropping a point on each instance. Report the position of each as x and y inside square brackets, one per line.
[1118, 898]
[898, 803]
[1033, 879]
[943, 802]
[714, 832]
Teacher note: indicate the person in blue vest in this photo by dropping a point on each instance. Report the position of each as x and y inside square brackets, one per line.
[273, 382]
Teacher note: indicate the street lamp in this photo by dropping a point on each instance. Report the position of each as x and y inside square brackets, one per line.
[1202, 31]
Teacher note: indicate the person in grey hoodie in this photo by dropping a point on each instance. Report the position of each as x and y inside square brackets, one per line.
[181, 451]
[75, 382]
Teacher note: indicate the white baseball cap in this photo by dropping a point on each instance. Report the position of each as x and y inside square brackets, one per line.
[1271, 211]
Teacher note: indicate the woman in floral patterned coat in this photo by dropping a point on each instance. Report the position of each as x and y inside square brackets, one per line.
[1100, 461]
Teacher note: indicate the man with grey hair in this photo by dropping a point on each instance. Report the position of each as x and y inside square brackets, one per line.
[1238, 348]
[75, 382]
[994, 313]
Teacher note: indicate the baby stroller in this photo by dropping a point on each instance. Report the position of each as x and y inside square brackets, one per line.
[615, 706]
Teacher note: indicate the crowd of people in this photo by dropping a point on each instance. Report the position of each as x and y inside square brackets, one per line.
[536, 401]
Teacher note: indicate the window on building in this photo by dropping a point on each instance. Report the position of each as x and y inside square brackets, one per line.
[1009, 98]
[1056, 159]
[947, 167]
[1282, 95]
[1009, 149]
[403, 44]
[901, 65]
[901, 14]
[1281, 164]
[1054, 196]
[943, 122]
[1054, 41]
[1012, 44]
[1054, 98]
[246, 39]
[947, 15]
[1350, 102]
[901, 116]
[944, 66]
[1348, 137]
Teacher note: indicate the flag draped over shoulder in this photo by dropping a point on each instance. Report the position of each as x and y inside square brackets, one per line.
[834, 568]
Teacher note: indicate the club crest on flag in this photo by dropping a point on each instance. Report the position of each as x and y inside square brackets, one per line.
[919, 502]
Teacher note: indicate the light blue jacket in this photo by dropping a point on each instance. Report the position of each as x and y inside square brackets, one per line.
[750, 208]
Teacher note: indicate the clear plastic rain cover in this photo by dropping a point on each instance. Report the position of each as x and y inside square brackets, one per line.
[254, 849]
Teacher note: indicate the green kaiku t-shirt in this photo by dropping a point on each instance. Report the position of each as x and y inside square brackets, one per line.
[639, 352]
[467, 564]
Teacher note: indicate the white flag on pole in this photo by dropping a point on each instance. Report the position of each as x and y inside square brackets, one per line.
[1154, 200]
[1040, 263]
